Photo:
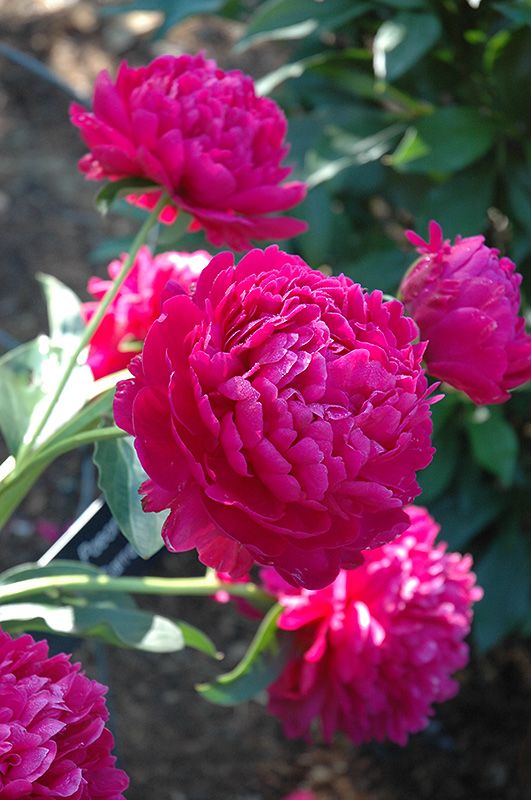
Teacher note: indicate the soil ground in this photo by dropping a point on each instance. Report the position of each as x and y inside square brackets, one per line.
[174, 745]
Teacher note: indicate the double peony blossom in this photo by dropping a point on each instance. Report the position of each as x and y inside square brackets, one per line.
[465, 300]
[281, 415]
[376, 648]
[137, 304]
[53, 739]
[202, 136]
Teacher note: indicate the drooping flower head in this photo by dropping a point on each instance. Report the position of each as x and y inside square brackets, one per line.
[377, 648]
[204, 137]
[281, 415]
[465, 300]
[137, 304]
[53, 739]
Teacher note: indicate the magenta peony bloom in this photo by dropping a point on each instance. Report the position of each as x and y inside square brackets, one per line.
[53, 739]
[137, 304]
[281, 415]
[204, 137]
[465, 300]
[377, 647]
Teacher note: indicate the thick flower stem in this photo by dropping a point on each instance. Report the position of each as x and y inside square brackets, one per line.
[105, 583]
[95, 321]
[19, 480]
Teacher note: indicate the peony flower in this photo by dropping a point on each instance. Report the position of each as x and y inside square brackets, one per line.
[137, 304]
[465, 300]
[281, 416]
[204, 137]
[53, 739]
[377, 647]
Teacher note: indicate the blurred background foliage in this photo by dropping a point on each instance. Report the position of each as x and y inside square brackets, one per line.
[402, 111]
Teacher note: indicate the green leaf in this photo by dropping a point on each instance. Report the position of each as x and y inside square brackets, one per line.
[277, 20]
[404, 3]
[29, 375]
[510, 82]
[438, 475]
[377, 268]
[65, 320]
[123, 627]
[518, 187]
[402, 41]
[494, 442]
[468, 505]
[262, 664]
[504, 573]
[360, 151]
[443, 411]
[90, 415]
[174, 11]
[120, 476]
[519, 13]
[111, 191]
[460, 202]
[445, 141]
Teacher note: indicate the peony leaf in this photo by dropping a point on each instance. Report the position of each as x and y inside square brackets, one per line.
[447, 140]
[437, 475]
[262, 664]
[174, 11]
[280, 20]
[494, 443]
[467, 506]
[120, 476]
[65, 321]
[401, 42]
[29, 375]
[114, 189]
[459, 203]
[123, 627]
[504, 574]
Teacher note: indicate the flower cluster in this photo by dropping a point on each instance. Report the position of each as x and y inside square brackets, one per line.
[53, 739]
[376, 648]
[465, 300]
[281, 416]
[137, 304]
[204, 137]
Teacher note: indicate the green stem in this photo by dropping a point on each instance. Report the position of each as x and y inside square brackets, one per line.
[130, 585]
[91, 328]
[48, 454]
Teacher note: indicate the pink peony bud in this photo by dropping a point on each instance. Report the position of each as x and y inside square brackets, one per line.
[53, 739]
[377, 647]
[281, 416]
[204, 137]
[465, 300]
[137, 304]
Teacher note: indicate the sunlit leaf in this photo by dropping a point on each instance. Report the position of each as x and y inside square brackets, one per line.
[261, 665]
[445, 141]
[120, 476]
[402, 41]
[123, 627]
